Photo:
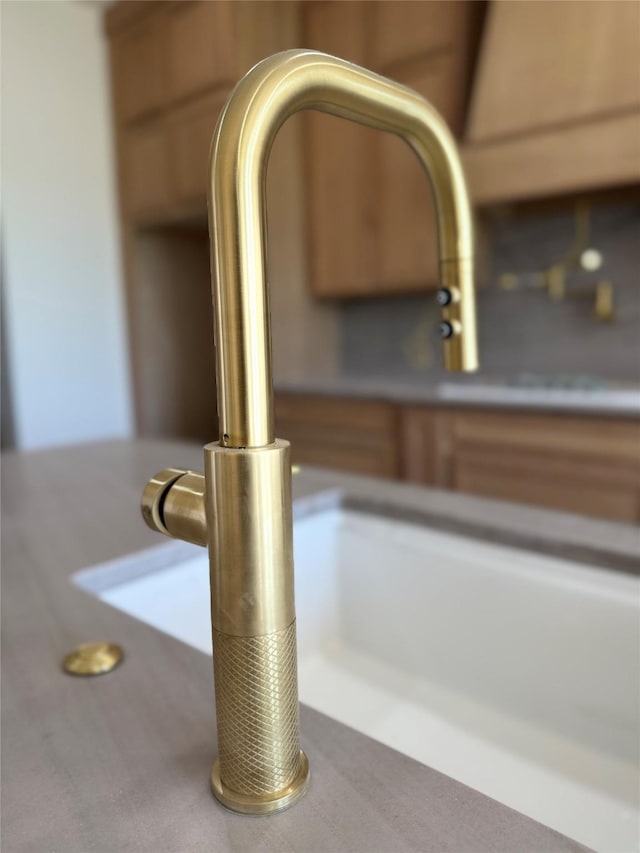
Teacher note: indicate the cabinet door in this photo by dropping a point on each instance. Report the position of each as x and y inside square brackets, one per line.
[372, 222]
[405, 31]
[200, 53]
[190, 132]
[427, 47]
[139, 71]
[425, 453]
[584, 465]
[350, 435]
[146, 169]
[408, 245]
[341, 167]
[534, 479]
[548, 64]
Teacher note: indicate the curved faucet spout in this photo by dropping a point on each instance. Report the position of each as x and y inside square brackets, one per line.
[270, 93]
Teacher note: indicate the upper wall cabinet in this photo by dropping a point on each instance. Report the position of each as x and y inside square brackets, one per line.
[200, 47]
[341, 166]
[139, 71]
[145, 169]
[174, 64]
[371, 218]
[556, 100]
[190, 131]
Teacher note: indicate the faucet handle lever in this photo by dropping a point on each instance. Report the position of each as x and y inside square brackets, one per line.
[173, 504]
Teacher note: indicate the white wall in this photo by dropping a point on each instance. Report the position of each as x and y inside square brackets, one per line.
[63, 296]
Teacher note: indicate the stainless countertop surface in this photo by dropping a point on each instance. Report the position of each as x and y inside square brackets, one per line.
[121, 762]
[604, 399]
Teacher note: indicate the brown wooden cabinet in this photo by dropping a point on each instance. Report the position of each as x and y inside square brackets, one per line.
[140, 83]
[587, 465]
[173, 66]
[190, 129]
[146, 168]
[372, 223]
[556, 99]
[350, 435]
[200, 47]
[340, 165]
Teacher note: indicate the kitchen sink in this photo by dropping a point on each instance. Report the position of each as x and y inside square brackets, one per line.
[514, 672]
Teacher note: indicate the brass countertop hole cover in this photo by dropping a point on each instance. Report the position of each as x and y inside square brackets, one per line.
[93, 659]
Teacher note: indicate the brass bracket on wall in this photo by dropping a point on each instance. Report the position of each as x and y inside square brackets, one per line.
[555, 278]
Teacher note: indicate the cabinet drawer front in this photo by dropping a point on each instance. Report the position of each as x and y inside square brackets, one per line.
[190, 132]
[350, 435]
[361, 416]
[138, 63]
[200, 47]
[352, 459]
[540, 485]
[147, 169]
[603, 438]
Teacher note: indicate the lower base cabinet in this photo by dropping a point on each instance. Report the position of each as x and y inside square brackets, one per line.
[586, 465]
[583, 464]
[359, 436]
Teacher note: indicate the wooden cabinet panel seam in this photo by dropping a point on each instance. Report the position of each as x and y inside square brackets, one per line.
[562, 62]
[589, 465]
[554, 79]
[552, 466]
[190, 129]
[354, 435]
[200, 53]
[553, 433]
[385, 206]
[611, 500]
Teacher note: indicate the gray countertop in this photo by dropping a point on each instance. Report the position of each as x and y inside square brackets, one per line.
[121, 762]
[484, 392]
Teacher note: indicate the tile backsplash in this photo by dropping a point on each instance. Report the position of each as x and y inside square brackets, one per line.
[520, 331]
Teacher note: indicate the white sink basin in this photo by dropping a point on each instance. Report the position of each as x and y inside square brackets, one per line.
[516, 673]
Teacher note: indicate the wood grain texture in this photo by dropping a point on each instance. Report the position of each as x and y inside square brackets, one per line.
[121, 762]
[121, 16]
[532, 481]
[200, 47]
[348, 435]
[555, 107]
[405, 31]
[305, 333]
[425, 452]
[140, 82]
[190, 130]
[544, 65]
[341, 163]
[590, 156]
[586, 465]
[408, 236]
[146, 169]
[372, 224]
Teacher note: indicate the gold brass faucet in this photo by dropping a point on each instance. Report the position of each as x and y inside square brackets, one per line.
[241, 506]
